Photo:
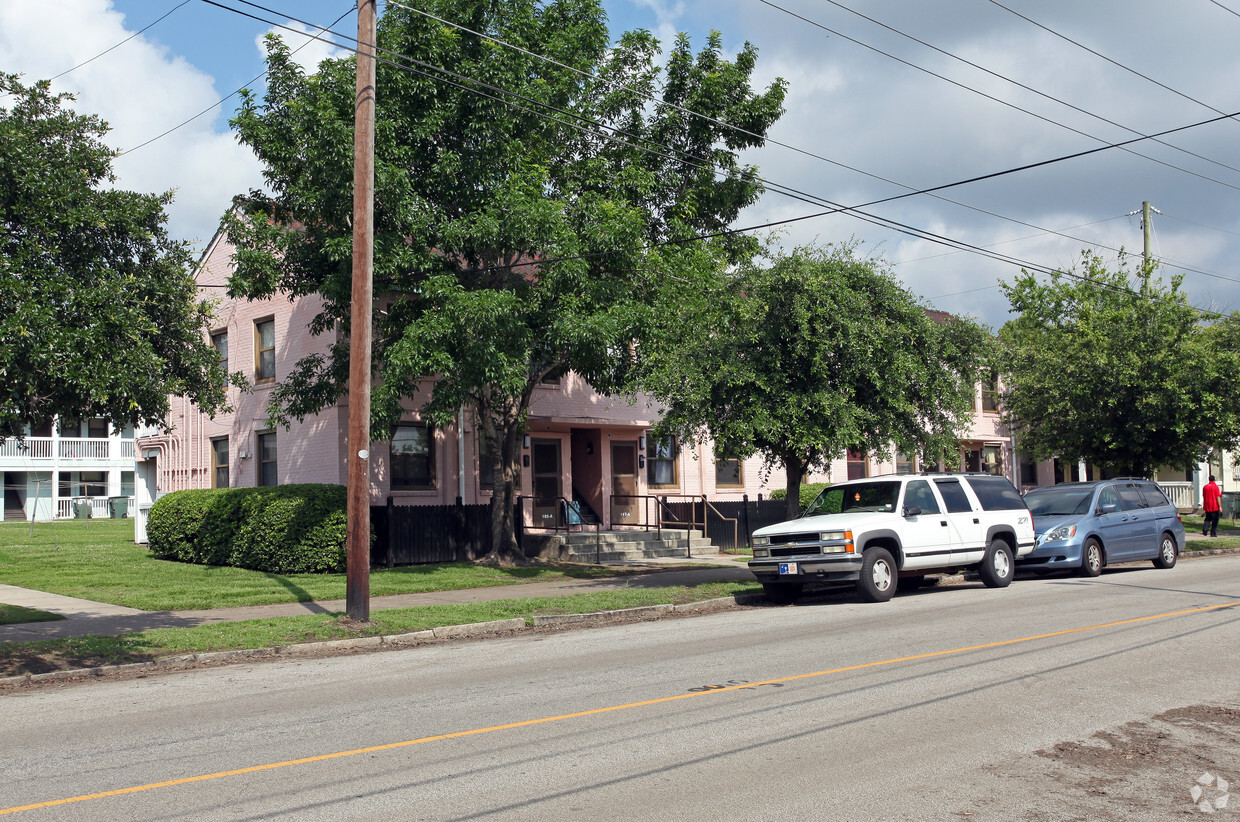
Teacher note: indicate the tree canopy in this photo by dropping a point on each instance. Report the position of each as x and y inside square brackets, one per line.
[1117, 369]
[527, 208]
[99, 315]
[804, 356]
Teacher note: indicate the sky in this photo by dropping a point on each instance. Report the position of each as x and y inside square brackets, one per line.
[885, 97]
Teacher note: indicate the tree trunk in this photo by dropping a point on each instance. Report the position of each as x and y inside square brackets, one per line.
[794, 472]
[503, 434]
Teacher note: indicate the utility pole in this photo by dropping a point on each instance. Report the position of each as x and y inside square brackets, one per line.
[357, 597]
[1147, 228]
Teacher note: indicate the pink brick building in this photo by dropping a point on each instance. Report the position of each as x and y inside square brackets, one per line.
[580, 445]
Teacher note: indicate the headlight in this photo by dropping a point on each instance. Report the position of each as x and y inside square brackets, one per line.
[761, 552]
[832, 536]
[761, 541]
[1060, 533]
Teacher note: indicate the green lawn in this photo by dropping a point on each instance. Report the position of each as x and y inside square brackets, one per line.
[16, 614]
[98, 560]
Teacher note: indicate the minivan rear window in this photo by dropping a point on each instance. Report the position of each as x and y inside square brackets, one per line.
[995, 493]
[1154, 495]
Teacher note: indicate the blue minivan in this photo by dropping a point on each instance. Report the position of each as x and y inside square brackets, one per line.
[1084, 526]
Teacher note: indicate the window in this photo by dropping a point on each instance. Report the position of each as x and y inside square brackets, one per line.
[267, 459]
[919, 494]
[1028, 472]
[661, 462]
[990, 391]
[413, 457]
[97, 428]
[992, 459]
[219, 340]
[906, 464]
[728, 472]
[70, 427]
[954, 496]
[857, 465]
[995, 493]
[94, 483]
[486, 466]
[264, 350]
[42, 429]
[219, 463]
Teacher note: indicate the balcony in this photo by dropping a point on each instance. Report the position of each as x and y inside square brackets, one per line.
[41, 450]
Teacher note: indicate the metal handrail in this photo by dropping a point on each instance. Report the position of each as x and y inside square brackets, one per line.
[561, 510]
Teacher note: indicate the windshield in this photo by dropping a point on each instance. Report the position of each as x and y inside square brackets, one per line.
[1059, 502]
[860, 496]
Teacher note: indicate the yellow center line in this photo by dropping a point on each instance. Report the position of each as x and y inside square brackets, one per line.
[595, 711]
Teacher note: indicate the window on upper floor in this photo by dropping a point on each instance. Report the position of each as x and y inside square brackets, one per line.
[990, 391]
[219, 340]
[97, 428]
[858, 465]
[413, 457]
[267, 474]
[42, 429]
[70, 427]
[264, 350]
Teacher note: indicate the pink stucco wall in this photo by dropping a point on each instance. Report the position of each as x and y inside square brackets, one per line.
[584, 424]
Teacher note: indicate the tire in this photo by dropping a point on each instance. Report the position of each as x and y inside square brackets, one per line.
[997, 567]
[1091, 558]
[1167, 551]
[782, 593]
[878, 576]
[910, 583]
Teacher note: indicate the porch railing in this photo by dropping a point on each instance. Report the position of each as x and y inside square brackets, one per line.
[1180, 493]
[559, 519]
[665, 515]
[77, 448]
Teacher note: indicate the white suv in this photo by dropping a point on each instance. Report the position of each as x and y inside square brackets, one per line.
[889, 532]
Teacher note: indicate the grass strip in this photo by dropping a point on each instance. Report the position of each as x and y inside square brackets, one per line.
[98, 560]
[16, 614]
[85, 652]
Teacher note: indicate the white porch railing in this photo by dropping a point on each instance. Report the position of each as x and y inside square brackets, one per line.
[83, 449]
[100, 507]
[1180, 493]
[37, 448]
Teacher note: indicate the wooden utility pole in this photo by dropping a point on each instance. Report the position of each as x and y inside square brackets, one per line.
[1147, 228]
[357, 598]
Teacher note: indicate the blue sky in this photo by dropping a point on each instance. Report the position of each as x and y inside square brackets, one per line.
[871, 113]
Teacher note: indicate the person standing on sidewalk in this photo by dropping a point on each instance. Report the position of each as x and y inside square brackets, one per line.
[1210, 496]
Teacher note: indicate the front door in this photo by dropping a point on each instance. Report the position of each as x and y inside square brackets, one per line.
[624, 501]
[546, 483]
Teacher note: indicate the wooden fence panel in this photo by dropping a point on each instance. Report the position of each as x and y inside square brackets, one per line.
[423, 534]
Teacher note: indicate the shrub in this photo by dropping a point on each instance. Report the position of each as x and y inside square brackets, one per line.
[809, 491]
[288, 529]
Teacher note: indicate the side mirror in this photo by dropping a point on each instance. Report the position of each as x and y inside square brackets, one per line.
[1109, 508]
[911, 511]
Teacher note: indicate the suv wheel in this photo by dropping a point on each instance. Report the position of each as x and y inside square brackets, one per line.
[782, 593]
[1091, 558]
[1166, 552]
[878, 575]
[996, 569]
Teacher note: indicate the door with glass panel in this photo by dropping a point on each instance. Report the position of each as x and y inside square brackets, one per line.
[546, 482]
[625, 505]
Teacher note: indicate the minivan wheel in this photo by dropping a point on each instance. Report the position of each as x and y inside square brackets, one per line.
[996, 569]
[1166, 552]
[878, 575]
[1091, 558]
[782, 593]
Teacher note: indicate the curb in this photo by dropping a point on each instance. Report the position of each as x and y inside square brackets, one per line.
[474, 629]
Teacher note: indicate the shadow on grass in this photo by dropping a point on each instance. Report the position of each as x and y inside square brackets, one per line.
[16, 614]
[296, 590]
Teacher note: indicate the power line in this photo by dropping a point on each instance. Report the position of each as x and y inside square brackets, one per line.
[836, 208]
[1007, 79]
[999, 100]
[118, 45]
[1102, 56]
[255, 79]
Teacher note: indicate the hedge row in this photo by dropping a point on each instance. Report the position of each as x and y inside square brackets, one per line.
[287, 529]
[809, 492]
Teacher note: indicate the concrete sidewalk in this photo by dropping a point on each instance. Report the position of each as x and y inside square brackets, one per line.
[86, 618]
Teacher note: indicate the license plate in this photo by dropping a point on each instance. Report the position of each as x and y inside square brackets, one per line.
[787, 568]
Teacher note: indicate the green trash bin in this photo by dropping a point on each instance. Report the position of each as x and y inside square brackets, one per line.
[118, 507]
[81, 509]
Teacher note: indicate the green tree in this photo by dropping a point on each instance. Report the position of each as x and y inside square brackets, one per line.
[812, 354]
[1117, 369]
[487, 160]
[99, 316]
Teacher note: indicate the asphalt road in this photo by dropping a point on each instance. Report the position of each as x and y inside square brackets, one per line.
[1052, 699]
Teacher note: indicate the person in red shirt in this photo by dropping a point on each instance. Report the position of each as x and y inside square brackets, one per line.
[1210, 496]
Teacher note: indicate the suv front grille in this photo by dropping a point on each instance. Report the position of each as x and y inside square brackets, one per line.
[784, 539]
